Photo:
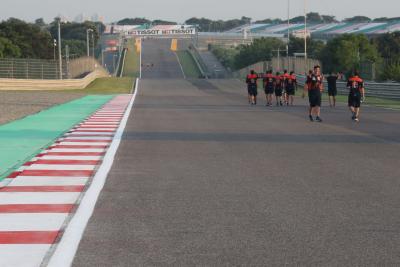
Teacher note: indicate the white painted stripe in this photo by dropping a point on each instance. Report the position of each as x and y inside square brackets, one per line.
[8, 198]
[83, 143]
[88, 138]
[87, 123]
[32, 221]
[95, 129]
[51, 167]
[72, 157]
[89, 133]
[48, 181]
[76, 150]
[66, 249]
[22, 255]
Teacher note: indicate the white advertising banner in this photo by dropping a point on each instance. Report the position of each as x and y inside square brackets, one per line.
[163, 32]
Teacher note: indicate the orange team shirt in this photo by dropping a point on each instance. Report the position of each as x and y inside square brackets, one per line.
[355, 84]
[268, 79]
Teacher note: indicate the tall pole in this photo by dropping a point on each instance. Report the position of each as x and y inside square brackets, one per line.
[59, 48]
[305, 36]
[88, 41]
[288, 33]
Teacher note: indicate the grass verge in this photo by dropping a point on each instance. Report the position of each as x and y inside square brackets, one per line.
[109, 85]
[371, 101]
[132, 61]
[189, 65]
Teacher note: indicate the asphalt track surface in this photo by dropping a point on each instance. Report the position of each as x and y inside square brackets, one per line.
[158, 61]
[203, 179]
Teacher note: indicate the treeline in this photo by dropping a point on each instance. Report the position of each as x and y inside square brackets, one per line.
[20, 39]
[344, 53]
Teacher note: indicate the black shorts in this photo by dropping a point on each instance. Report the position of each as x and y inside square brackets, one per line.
[355, 100]
[269, 90]
[252, 90]
[314, 96]
[290, 91]
[332, 91]
[278, 91]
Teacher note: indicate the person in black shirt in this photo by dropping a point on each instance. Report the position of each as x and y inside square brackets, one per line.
[332, 88]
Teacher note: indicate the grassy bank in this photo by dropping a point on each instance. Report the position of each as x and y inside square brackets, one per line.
[132, 61]
[189, 65]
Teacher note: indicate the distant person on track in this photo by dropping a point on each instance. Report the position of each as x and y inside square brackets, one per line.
[269, 87]
[285, 78]
[278, 84]
[251, 81]
[332, 88]
[356, 95]
[314, 87]
[291, 87]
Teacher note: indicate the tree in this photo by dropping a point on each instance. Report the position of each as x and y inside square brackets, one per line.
[269, 21]
[345, 53]
[8, 49]
[32, 40]
[314, 47]
[133, 21]
[329, 19]
[76, 33]
[358, 19]
[260, 50]
[163, 22]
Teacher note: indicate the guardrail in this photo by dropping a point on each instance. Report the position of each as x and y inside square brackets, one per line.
[381, 90]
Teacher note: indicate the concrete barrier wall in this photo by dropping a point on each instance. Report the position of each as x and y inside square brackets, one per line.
[22, 84]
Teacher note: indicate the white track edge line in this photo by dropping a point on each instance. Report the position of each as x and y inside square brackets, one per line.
[68, 246]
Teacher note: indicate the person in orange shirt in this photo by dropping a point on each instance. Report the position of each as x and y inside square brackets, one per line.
[251, 81]
[269, 87]
[291, 87]
[356, 95]
[314, 87]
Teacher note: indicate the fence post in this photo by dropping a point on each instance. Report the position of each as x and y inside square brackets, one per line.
[27, 70]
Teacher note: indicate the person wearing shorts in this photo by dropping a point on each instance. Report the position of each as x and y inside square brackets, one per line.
[251, 81]
[291, 87]
[356, 95]
[314, 86]
[278, 89]
[332, 88]
[285, 77]
[269, 87]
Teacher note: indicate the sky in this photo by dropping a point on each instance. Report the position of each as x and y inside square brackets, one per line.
[180, 10]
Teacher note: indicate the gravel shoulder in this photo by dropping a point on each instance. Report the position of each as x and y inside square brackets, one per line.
[16, 105]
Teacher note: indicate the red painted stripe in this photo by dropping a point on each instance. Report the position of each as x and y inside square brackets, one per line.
[25, 237]
[36, 208]
[68, 162]
[96, 126]
[74, 154]
[44, 189]
[57, 173]
[14, 175]
[91, 135]
[91, 131]
[29, 163]
[77, 147]
[84, 141]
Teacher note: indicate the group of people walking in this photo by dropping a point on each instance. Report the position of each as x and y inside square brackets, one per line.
[284, 86]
